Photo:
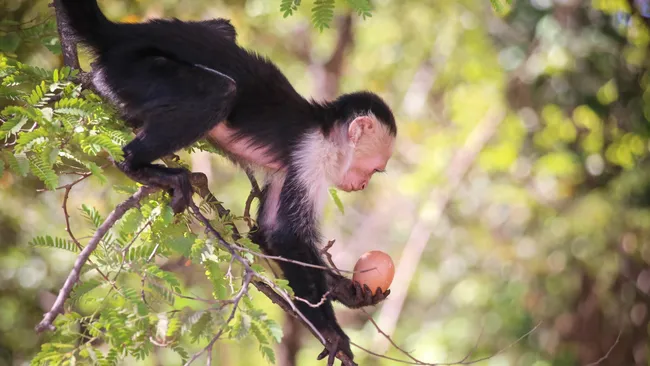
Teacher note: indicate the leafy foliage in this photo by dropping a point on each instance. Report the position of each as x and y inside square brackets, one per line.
[54, 131]
[322, 13]
[48, 241]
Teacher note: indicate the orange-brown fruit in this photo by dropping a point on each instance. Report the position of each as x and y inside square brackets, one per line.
[380, 270]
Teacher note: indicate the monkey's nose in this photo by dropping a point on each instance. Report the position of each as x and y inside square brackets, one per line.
[363, 185]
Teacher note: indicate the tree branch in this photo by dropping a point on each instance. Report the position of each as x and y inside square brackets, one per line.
[73, 277]
[68, 46]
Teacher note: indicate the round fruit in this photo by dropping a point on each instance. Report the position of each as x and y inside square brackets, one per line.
[378, 270]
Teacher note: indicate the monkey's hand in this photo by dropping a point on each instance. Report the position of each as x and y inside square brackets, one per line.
[351, 293]
[336, 342]
[175, 180]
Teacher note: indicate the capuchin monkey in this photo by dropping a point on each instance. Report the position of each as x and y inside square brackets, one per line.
[179, 82]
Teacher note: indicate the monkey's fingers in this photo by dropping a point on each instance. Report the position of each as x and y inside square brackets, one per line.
[335, 343]
[330, 350]
[380, 296]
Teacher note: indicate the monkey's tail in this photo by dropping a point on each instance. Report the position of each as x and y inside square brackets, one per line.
[87, 24]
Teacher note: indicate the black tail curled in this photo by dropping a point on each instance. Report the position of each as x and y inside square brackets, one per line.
[87, 24]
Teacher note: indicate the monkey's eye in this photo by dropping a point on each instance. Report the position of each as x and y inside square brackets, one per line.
[380, 171]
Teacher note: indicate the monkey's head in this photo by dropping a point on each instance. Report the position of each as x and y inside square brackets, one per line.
[370, 133]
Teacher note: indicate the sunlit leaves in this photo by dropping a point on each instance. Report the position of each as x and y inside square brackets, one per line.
[43, 171]
[322, 13]
[362, 7]
[502, 7]
[53, 242]
[337, 200]
[288, 7]
[323, 10]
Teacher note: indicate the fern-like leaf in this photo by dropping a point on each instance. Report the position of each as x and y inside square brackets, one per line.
[105, 142]
[18, 163]
[85, 287]
[43, 171]
[202, 327]
[96, 171]
[13, 125]
[92, 215]
[287, 7]
[50, 242]
[29, 139]
[362, 7]
[322, 13]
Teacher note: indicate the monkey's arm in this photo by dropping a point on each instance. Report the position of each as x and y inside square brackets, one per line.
[289, 229]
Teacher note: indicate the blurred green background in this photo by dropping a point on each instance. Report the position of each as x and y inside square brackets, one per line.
[519, 191]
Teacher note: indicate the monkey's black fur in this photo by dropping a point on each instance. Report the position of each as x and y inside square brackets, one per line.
[176, 81]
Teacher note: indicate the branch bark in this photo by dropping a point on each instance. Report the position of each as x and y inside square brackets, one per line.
[68, 46]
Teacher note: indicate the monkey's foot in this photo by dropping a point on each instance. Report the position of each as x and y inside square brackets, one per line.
[175, 180]
[336, 342]
[352, 294]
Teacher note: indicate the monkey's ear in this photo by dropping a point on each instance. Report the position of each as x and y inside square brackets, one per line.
[358, 127]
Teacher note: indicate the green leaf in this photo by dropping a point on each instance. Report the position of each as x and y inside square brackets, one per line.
[48, 241]
[18, 163]
[201, 328]
[85, 287]
[287, 7]
[43, 171]
[274, 329]
[337, 200]
[9, 42]
[50, 154]
[92, 215]
[363, 7]
[96, 171]
[268, 353]
[131, 222]
[14, 124]
[168, 277]
[173, 326]
[216, 276]
[322, 13]
[502, 7]
[107, 144]
[183, 353]
[28, 139]
[283, 284]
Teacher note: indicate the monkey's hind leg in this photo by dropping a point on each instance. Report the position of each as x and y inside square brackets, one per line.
[175, 104]
[168, 129]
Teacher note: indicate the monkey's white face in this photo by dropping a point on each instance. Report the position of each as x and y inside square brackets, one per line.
[369, 158]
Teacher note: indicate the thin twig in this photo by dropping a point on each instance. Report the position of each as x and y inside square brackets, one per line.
[618, 338]
[461, 362]
[244, 289]
[478, 339]
[73, 277]
[406, 353]
[318, 304]
[304, 264]
[326, 251]
[255, 187]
